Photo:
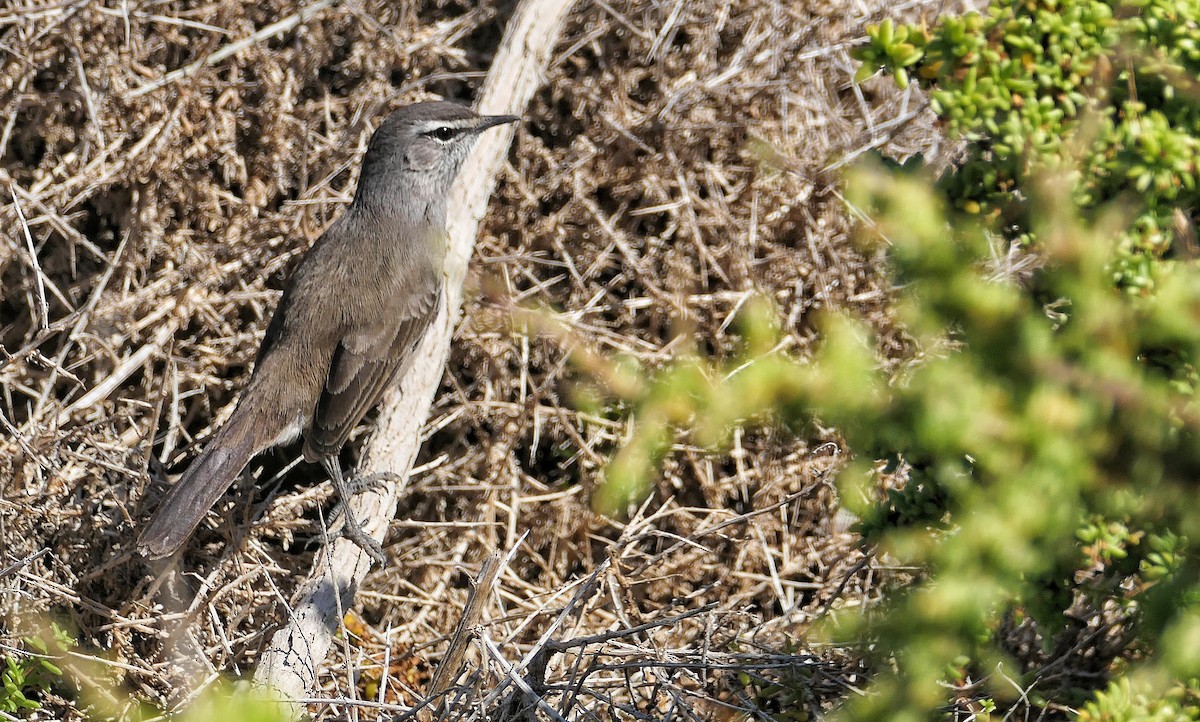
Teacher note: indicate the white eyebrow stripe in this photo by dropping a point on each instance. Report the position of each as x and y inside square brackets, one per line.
[431, 125]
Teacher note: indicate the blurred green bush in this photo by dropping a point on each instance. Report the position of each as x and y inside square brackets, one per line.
[1052, 467]
[1052, 448]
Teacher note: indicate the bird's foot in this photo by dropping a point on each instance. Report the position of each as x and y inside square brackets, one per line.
[364, 541]
[372, 482]
[361, 539]
[351, 529]
[367, 482]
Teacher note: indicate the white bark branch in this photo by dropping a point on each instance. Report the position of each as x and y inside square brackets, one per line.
[291, 662]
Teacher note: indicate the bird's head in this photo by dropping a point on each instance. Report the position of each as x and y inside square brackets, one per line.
[423, 146]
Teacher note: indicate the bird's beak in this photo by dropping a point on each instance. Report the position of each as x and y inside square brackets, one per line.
[490, 121]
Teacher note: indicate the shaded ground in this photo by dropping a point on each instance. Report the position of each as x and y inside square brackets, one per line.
[681, 157]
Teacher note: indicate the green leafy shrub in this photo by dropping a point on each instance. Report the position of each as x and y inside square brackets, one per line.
[1105, 92]
[1101, 97]
[241, 701]
[1051, 455]
[1047, 460]
[1057, 454]
[25, 676]
[1122, 703]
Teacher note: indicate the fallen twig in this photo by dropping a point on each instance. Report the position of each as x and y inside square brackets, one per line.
[447, 671]
[38, 276]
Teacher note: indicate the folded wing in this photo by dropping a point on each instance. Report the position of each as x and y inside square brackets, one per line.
[365, 364]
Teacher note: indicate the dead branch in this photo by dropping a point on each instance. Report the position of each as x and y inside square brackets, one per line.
[289, 665]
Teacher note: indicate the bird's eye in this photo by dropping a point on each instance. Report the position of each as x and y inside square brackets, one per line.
[444, 133]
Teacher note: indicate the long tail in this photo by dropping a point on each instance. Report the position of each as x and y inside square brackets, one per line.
[201, 485]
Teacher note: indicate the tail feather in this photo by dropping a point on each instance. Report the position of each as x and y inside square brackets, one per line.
[208, 477]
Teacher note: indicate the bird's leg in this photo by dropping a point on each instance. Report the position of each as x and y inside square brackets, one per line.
[351, 529]
[370, 482]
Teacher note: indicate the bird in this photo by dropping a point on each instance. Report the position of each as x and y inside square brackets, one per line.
[348, 322]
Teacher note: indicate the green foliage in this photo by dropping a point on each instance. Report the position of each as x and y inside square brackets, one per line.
[1047, 458]
[28, 675]
[1101, 99]
[1040, 85]
[1053, 446]
[896, 48]
[1051, 456]
[235, 701]
[47, 667]
[1121, 703]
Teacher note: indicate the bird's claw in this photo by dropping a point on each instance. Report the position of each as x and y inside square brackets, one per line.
[365, 542]
[351, 528]
[359, 484]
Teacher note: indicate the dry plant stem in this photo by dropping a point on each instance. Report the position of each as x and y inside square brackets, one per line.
[447, 671]
[481, 588]
[289, 664]
[494, 652]
[123, 371]
[39, 277]
[23, 562]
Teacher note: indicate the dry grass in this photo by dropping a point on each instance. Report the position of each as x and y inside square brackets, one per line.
[682, 156]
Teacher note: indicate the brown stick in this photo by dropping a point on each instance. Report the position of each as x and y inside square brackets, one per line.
[456, 652]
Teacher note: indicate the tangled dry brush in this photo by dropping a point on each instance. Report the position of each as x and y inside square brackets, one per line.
[165, 163]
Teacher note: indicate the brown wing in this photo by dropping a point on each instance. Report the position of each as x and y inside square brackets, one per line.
[364, 365]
